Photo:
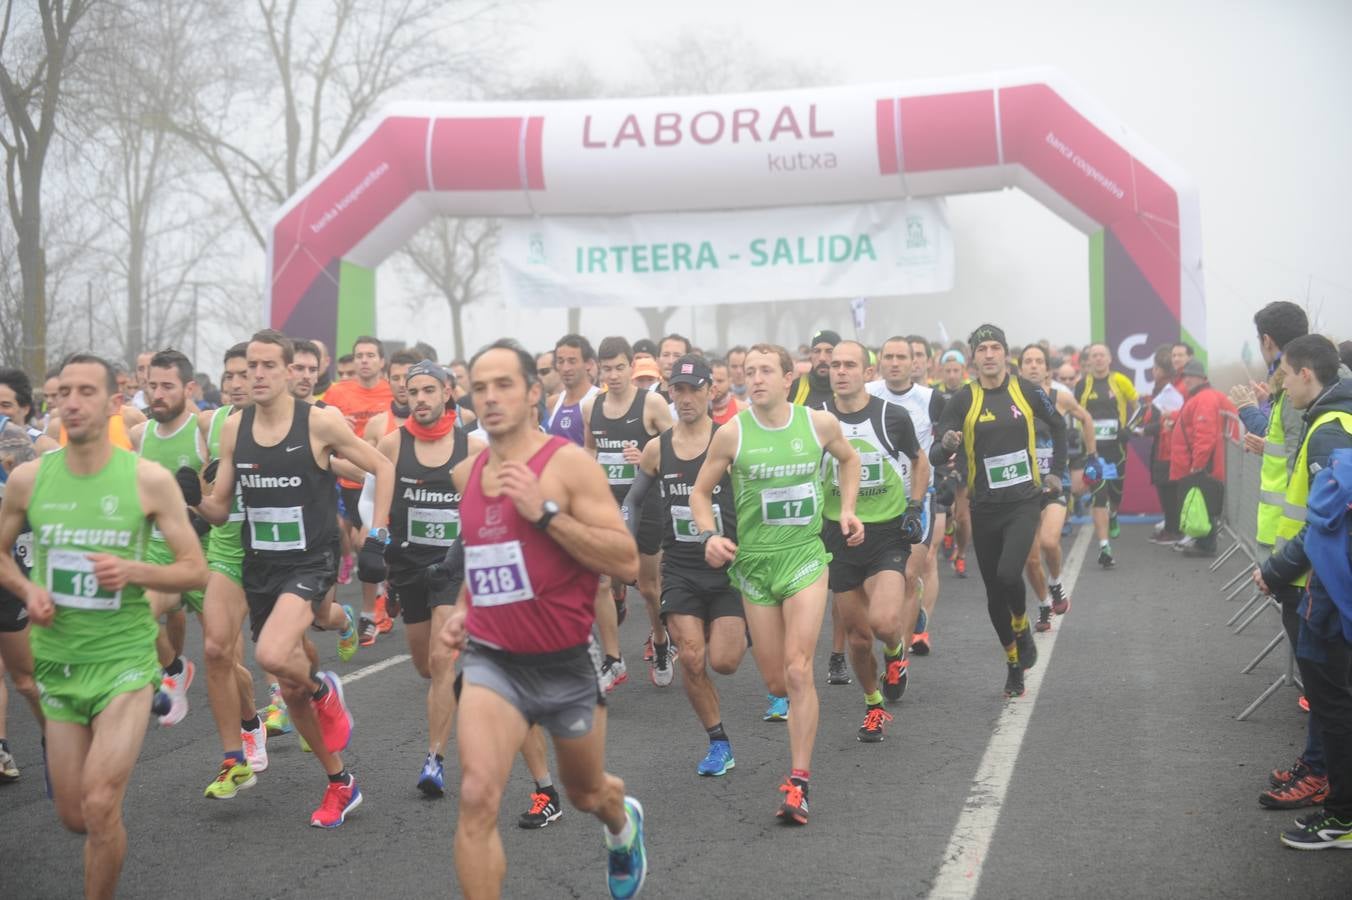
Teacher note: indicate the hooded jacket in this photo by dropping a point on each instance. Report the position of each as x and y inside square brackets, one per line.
[1199, 433]
[1291, 560]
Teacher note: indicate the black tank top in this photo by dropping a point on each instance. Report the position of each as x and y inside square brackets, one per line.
[676, 479]
[613, 435]
[290, 503]
[425, 513]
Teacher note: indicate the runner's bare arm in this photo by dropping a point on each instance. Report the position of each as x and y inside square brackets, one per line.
[345, 469]
[589, 526]
[162, 502]
[722, 449]
[656, 413]
[342, 442]
[375, 428]
[588, 442]
[1065, 403]
[136, 435]
[215, 507]
[13, 515]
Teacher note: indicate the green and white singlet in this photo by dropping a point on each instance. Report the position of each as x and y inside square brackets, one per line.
[776, 482]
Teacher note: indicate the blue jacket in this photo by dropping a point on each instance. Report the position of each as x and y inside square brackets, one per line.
[1328, 544]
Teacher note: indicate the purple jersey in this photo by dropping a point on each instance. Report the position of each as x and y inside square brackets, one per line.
[566, 420]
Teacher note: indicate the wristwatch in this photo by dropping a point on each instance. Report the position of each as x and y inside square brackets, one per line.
[551, 510]
[703, 536]
[380, 534]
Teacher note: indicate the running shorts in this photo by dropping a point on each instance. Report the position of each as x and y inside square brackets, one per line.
[308, 577]
[415, 601]
[13, 613]
[883, 550]
[77, 692]
[707, 598]
[559, 691]
[768, 579]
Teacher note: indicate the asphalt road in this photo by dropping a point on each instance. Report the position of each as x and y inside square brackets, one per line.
[1133, 778]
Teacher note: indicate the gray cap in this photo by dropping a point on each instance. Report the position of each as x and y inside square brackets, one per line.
[1194, 368]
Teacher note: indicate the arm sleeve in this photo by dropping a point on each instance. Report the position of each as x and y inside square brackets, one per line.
[633, 500]
[1045, 410]
[1255, 422]
[936, 408]
[955, 411]
[901, 430]
[1206, 428]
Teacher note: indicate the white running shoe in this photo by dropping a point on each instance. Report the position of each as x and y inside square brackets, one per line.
[176, 686]
[613, 674]
[256, 747]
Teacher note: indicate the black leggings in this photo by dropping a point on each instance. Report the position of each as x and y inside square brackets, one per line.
[1002, 536]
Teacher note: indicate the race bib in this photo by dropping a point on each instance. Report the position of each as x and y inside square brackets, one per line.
[870, 469]
[794, 505]
[617, 470]
[496, 574]
[433, 527]
[1007, 469]
[23, 550]
[683, 523]
[71, 582]
[1105, 429]
[1044, 460]
[276, 528]
[236, 508]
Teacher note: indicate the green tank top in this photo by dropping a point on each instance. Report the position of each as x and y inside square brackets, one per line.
[72, 516]
[173, 452]
[884, 473]
[776, 482]
[223, 542]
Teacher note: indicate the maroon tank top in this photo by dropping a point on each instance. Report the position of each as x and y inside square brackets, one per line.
[526, 595]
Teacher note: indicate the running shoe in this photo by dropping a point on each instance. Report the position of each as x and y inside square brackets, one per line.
[176, 687]
[837, 672]
[1320, 833]
[949, 545]
[256, 747]
[384, 624]
[432, 779]
[233, 778]
[794, 807]
[920, 643]
[277, 720]
[1165, 538]
[895, 676]
[335, 719]
[1060, 602]
[9, 771]
[1014, 681]
[544, 808]
[392, 606]
[628, 865]
[345, 568]
[347, 638]
[340, 798]
[1303, 702]
[1114, 528]
[661, 671]
[778, 711]
[648, 648]
[1281, 777]
[1184, 543]
[718, 760]
[1105, 558]
[367, 630]
[1308, 790]
[1027, 647]
[921, 622]
[871, 732]
[960, 566]
[1044, 618]
[613, 674]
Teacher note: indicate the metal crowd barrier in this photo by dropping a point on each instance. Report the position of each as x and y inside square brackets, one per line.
[1239, 528]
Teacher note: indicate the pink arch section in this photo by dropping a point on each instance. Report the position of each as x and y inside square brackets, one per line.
[1034, 130]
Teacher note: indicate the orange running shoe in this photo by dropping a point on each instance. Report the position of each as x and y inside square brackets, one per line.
[794, 807]
[960, 566]
[384, 624]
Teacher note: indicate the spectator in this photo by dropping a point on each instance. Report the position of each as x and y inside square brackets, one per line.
[1159, 426]
[1197, 449]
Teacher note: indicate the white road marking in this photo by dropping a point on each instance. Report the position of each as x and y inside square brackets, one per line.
[373, 668]
[960, 873]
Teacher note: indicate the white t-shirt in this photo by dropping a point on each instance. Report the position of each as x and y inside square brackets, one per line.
[916, 401]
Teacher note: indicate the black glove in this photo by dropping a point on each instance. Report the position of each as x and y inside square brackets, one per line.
[209, 471]
[199, 524]
[440, 576]
[945, 491]
[189, 484]
[371, 561]
[912, 524]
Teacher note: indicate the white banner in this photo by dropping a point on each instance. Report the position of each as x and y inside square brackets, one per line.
[748, 256]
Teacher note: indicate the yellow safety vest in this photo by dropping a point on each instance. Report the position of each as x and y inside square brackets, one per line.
[969, 428]
[1298, 488]
[1273, 477]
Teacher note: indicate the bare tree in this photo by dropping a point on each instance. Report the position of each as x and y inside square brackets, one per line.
[455, 256]
[327, 73]
[30, 89]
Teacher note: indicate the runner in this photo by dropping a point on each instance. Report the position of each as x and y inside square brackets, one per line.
[91, 507]
[722, 405]
[366, 395]
[538, 525]
[736, 357]
[992, 421]
[898, 384]
[774, 450]
[701, 610]
[1051, 594]
[950, 480]
[424, 522]
[868, 579]
[278, 450]
[620, 423]
[389, 421]
[572, 355]
[1110, 398]
[173, 439]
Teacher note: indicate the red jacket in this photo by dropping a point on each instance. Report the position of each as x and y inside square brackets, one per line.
[1199, 435]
